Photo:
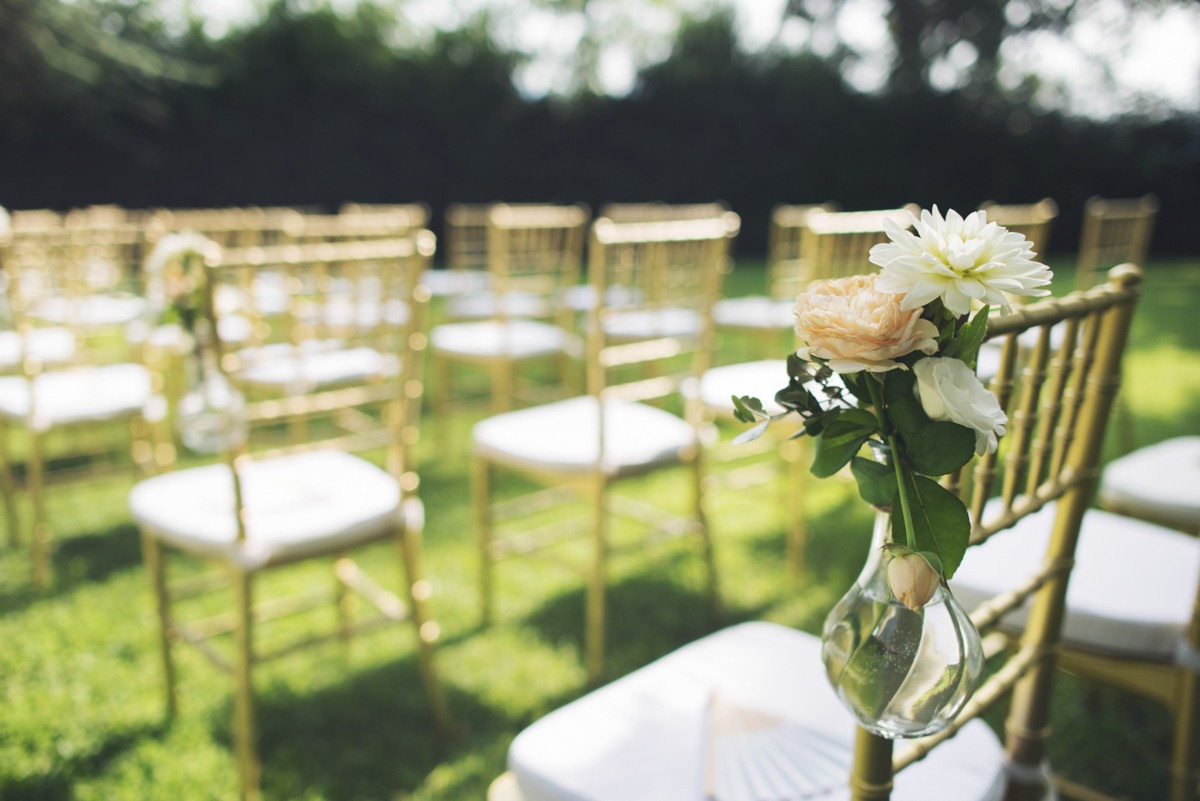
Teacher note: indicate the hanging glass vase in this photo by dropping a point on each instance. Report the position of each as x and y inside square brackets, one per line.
[212, 414]
[902, 673]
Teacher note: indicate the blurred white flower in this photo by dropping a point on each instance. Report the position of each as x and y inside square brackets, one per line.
[5, 223]
[170, 272]
[174, 246]
[949, 390]
[959, 260]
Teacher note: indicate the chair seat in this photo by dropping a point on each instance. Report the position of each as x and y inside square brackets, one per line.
[564, 437]
[652, 323]
[93, 311]
[1159, 482]
[645, 737]
[511, 339]
[1115, 555]
[444, 282]
[761, 379]
[477, 305]
[297, 507]
[284, 368]
[754, 311]
[582, 297]
[49, 346]
[78, 395]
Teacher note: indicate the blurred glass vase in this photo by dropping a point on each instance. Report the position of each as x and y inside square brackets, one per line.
[212, 414]
[902, 673]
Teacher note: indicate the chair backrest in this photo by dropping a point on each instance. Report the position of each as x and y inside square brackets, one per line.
[1058, 401]
[335, 360]
[660, 212]
[786, 269]
[837, 243]
[1031, 220]
[465, 235]
[416, 215]
[659, 334]
[536, 252]
[1114, 232]
[308, 229]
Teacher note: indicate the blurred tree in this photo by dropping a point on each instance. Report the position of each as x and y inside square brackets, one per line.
[959, 37]
[95, 64]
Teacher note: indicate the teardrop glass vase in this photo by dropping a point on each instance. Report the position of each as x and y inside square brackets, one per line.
[901, 673]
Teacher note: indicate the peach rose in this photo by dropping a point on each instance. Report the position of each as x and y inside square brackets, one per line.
[853, 326]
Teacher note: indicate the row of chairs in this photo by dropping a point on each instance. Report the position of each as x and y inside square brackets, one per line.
[290, 361]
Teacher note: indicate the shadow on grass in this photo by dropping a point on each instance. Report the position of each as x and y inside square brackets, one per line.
[59, 784]
[648, 617]
[75, 562]
[371, 736]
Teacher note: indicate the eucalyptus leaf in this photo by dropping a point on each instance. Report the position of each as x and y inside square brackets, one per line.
[940, 521]
[876, 482]
[751, 434]
[748, 409]
[837, 444]
[939, 448]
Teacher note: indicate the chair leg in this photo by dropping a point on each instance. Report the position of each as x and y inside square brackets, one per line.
[244, 733]
[792, 452]
[408, 542]
[1185, 755]
[481, 479]
[700, 515]
[596, 584]
[503, 377]
[155, 559]
[8, 487]
[41, 528]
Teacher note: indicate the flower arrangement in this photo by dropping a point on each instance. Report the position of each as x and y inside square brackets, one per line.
[888, 361]
[174, 278]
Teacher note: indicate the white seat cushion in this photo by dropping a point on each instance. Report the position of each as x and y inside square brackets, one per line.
[652, 323]
[644, 737]
[512, 339]
[1131, 590]
[760, 379]
[564, 436]
[754, 311]
[296, 506]
[582, 297]
[286, 368]
[443, 282]
[478, 305]
[1160, 481]
[92, 311]
[78, 395]
[49, 346]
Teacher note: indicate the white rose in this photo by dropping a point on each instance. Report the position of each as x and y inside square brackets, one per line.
[949, 390]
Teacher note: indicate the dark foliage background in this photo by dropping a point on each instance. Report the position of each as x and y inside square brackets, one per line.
[316, 108]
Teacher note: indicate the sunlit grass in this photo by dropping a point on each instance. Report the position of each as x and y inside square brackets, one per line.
[81, 708]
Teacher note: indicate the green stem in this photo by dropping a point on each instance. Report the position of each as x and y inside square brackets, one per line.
[875, 388]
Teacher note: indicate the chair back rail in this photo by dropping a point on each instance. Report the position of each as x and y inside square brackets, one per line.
[1114, 231]
[1031, 220]
[836, 244]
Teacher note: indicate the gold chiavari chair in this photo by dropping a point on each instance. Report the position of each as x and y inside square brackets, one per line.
[1132, 615]
[1033, 221]
[72, 409]
[752, 701]
[767, 317]
[1115, 231]
[582, 448]
[416, 215]
[465, 243]
[534, 256]
[810, 243]
[298, 479]
[621, 213]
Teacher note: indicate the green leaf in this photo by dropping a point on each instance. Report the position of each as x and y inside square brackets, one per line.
[941, 524]
[751, 434]
[965, 345]
[838, 443]
[748, 409]
[876, 482]
[940, 448]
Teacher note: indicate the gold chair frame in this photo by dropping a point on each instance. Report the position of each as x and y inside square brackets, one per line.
[396, 399]
[671, 264]
[1114, 231]
[1033, 221]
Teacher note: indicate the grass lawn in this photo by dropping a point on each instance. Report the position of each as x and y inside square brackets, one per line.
[81, 702]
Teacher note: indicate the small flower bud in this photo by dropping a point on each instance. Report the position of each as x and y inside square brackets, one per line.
[912, 580]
